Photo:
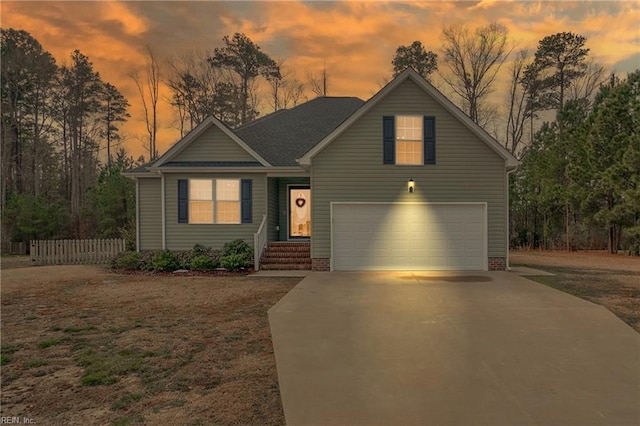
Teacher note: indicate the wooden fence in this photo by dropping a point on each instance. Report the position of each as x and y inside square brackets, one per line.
[71, 252]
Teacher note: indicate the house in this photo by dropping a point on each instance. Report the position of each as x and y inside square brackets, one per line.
[404, 181]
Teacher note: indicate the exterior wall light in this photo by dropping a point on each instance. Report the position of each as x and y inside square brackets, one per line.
[411, 185]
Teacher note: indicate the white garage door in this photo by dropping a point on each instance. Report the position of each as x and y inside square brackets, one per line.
[403, 236]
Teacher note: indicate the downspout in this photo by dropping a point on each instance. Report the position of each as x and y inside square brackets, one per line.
[163, 209]
[137, 214]
[508, 221]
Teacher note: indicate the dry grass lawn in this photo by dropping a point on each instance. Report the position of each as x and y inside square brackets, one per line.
[610, 280]
[83, 345]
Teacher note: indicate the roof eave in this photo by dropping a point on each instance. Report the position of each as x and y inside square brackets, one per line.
[270, 169]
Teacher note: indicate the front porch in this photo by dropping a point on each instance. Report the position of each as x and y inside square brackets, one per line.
[283, 239]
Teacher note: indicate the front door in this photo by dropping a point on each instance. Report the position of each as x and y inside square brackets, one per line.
[299, 212]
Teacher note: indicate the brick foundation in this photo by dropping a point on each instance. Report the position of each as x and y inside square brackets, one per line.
[497, 264]
[321, 264]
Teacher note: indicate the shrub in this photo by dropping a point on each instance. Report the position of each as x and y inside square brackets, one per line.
[233, 262]
[203, 263]
[146, 260]
[165, 261]
[200, 250]
[239, 248]
[184, 258]
[130, 260]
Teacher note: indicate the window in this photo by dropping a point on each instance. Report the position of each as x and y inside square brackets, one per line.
[409, 141]
[204, 201]
[200, 201]
[228, 201]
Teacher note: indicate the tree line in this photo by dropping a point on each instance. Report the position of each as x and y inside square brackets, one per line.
[60, 141]
[61, 137]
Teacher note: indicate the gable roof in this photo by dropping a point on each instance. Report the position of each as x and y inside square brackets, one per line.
[199, 130]
[409, 74]
[284, 136]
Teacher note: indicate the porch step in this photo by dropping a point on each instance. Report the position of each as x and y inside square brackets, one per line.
[286, 267]
[279, 254]
[286, 255]
[284, 246]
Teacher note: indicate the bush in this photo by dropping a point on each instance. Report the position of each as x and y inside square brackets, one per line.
[233, 262]
[129, 260]
[200, 250]
[239, 248]
[184, 258]
[146, 258]
[203, 263]
[236, 254]
[165, 261]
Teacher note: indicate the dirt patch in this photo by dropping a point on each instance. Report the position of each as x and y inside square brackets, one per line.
[13, 262]
[610, 280]
[82, 345]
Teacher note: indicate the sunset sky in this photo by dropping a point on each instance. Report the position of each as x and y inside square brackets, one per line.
[356, 40]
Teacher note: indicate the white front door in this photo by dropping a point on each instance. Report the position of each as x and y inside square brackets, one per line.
[299, 212]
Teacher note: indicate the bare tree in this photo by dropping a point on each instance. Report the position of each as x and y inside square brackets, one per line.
[583, 88]
[318, 84]
[193, 82]
[148, 87]
[518, 108]
[474, 60]
[287, 90]
[293, 93]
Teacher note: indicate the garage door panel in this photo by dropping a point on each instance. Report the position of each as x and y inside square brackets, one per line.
[409, 236]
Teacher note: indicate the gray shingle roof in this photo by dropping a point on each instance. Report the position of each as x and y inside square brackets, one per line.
[212, 164]
[286, 135]
[139, 169]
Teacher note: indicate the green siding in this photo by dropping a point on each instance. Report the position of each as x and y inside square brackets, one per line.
[351, 169]
[150, 214]
[182, 236]
[273, 206]
[283, 203]
[214, 145]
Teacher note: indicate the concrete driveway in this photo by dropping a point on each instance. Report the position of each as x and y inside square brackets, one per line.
[450, 349]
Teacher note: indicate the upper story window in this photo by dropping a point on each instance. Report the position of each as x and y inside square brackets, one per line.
[409, 141]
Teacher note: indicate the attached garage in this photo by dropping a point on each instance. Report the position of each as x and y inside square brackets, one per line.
[408, 236]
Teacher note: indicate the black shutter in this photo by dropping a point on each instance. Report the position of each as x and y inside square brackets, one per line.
[183, 201]
[429, 140]
[245, 200]
[389, 139]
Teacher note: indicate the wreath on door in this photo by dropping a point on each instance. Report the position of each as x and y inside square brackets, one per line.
[300, 202]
